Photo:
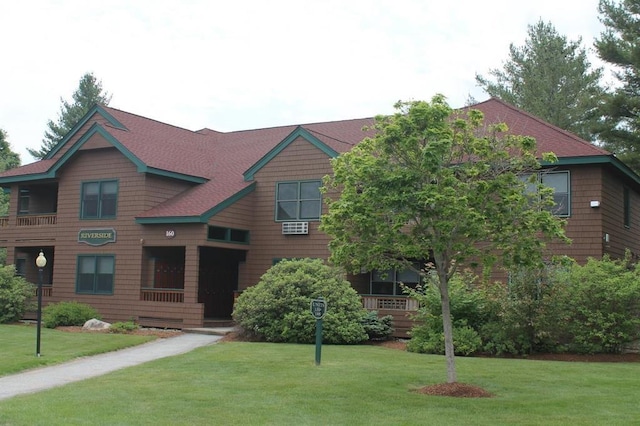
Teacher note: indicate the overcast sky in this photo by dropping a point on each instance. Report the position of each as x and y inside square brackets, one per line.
[243, 64]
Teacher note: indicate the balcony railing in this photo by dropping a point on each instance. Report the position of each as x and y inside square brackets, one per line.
[162, 295]
[46, 291]
[390, 303]
[37, 219]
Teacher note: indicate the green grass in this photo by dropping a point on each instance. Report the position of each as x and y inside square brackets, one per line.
[18, 346]
[240, 383]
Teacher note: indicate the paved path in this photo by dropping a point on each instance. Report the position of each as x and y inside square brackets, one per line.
[83, 368]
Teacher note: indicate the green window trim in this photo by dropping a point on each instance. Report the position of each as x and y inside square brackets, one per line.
[228, 235]
[298, 200]
[562, 189]
[99, 199]
[387, 283]
[95, 274]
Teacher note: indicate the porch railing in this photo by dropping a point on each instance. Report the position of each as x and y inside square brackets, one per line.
[390, 303]
[4, 221]
[46, 291]
[162, 295]
[37, 219]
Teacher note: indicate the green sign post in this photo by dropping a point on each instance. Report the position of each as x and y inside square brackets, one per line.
[318, 309]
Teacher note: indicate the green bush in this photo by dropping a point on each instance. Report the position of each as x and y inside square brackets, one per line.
[68, 314]
[604, 308]
[16, 295]
[123, 327]
[277, 309]
[468, 311]
[527, 315]
[429, 340]
[377, 328]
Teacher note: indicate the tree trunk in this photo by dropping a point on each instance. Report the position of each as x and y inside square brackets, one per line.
[448, 330]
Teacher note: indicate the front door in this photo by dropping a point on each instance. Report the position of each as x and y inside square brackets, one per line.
[218, 281]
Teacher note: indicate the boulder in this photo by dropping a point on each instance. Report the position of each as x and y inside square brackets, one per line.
[96, 324]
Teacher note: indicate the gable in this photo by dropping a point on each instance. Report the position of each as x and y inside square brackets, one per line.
[299, 132]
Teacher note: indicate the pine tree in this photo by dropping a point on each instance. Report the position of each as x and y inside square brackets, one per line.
[550, 77]
[619, 45]
[89, 93]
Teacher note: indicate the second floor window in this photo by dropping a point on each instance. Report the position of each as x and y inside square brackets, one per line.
[298, 200]
[99, 199]
[560, 182]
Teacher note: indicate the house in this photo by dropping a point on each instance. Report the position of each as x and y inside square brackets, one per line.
[162, 225]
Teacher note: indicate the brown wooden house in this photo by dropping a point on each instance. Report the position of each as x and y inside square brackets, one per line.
[162, 225]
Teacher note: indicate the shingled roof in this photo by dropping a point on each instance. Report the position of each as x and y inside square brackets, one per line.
[222, 165]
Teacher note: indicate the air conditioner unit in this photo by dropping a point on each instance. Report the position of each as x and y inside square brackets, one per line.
[295, 228]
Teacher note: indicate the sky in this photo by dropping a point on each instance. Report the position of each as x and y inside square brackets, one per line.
[248, 64]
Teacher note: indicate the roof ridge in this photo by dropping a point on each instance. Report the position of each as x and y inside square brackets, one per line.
[540, 121]
[151, 119]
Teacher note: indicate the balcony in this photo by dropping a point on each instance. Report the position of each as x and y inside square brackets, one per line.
[36, 219]
[162, 295]
[389, 303]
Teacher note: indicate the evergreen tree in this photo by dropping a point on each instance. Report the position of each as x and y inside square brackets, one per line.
[89, 93]
[550, 77]
[619, 45]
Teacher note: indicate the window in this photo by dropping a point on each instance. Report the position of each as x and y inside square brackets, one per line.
[560, 182]
[298, 200]
[99, 199]
[228, 234]
[627, 206]
[23, 202]
[388, 282]
[95, 274]
[21, 264]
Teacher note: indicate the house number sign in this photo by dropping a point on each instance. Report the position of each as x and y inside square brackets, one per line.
[170, 233]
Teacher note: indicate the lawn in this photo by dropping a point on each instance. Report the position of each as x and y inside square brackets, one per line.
[18, 346]
[239, 383]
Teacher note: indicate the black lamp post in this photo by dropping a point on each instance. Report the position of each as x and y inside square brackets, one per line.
[41, 262]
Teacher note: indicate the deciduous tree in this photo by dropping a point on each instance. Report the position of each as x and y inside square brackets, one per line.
[434, 184]
[550, 77]
[89, 93]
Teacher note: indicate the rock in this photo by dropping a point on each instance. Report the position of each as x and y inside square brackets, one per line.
[95, 324]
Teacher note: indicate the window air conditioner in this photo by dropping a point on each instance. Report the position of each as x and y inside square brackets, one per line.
[295, 228]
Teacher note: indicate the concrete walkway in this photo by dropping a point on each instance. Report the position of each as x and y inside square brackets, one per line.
[84, 368]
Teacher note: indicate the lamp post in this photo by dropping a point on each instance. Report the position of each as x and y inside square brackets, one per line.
[41, 261]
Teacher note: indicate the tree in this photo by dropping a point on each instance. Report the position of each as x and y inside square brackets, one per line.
[551, 78]
[89, 93]
[427, 187]
[8, 160]
[619, 45]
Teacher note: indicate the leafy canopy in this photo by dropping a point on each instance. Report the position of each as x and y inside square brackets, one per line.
[437, 185]
[432, 182]
[550, 77]
[89, 93]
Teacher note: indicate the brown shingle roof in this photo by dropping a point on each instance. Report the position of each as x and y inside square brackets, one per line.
[221, 159]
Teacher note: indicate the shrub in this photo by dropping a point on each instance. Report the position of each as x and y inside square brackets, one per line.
[604, 308]
[427, 339]
[123, 327]
[68, 314]
[16, 295]
[277, 309]
[468, 311]
[377, 328]
[528, 314]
